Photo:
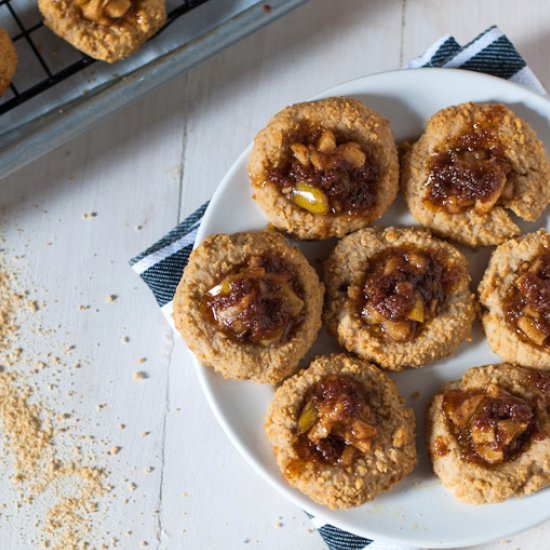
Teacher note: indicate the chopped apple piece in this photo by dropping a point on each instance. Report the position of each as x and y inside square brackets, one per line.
[310, 198]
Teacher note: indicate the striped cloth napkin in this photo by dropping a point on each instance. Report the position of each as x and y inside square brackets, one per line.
[161, 265]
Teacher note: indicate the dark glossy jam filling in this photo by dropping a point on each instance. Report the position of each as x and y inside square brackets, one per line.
[527, 303]
[471, 171]
[326, 173]
[403, 289]
[261, 302]
[491, 426]
[335, 424]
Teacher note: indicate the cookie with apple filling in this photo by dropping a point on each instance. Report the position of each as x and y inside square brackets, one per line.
[472, 165]
[249, 305]
[488, 433]
[340, 431]
[324, 168]
[398, 296]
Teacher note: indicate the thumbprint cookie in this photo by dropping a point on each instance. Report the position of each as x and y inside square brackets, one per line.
[249, 305]
[472, 165]
[108, 30]
[398, 296]
[488, 433]
[340, 431]
[324, 168]
[515, 296]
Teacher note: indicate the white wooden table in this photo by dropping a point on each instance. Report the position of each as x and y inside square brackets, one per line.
[143, 170]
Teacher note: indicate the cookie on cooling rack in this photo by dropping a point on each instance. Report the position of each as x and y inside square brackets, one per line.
[324, 168]
[515, 295]
[488, 433]
[108, 30]
[8, 61]
[249, 305]
[340, 431]
[398, 296]
[472, 164]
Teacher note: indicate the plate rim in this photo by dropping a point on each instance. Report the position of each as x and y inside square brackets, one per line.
[202, 372]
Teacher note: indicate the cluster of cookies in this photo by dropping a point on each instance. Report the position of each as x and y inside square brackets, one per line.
[250, 306]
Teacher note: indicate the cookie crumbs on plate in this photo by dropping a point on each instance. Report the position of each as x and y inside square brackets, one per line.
[89, 215]
[140, 375]
[149, 469]
[83, 307]
[114, 450]
[124, 339]
[132, 486]
[142, 360]
[415, 395]
[111, 298]
[145, 434]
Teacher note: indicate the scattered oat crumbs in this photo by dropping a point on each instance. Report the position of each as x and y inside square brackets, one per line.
[114, 450]
[111, 298]
[144, 543]
[142, 360]
[140, 375]
[132, 486]
[145, 434]
[149, 469]
[124, 339]
[89, 215]
[83, 308]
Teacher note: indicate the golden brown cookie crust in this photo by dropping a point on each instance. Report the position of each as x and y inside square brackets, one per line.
[393, 453]
[107, 42]
[343, 272]
[240, 360]
[474, 483]
[347, 116]
[530, 176]
[8, 61]
[498, 277]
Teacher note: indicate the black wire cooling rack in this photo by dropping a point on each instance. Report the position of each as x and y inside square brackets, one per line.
[47, 71]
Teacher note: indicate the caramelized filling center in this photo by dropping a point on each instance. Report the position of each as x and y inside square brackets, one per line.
[403, 290]
[471, 171]
[325, 174]
[335, 424]
[491, 426]
[261, 302]
[527, 304]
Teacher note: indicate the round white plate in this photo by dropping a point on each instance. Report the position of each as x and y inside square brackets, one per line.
[417, 511]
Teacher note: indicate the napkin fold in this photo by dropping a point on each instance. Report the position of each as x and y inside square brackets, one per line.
[161, 265]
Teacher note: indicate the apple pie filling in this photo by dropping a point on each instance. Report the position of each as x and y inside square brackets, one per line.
[527, 304]
[261, 302]
[404, 289]
[325, 173]
[491, 425]
[335, 424]
[471, 171]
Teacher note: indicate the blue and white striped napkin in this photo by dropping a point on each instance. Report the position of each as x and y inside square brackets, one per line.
[161, 265]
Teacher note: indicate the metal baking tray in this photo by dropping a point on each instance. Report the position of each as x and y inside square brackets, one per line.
[59, 92]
